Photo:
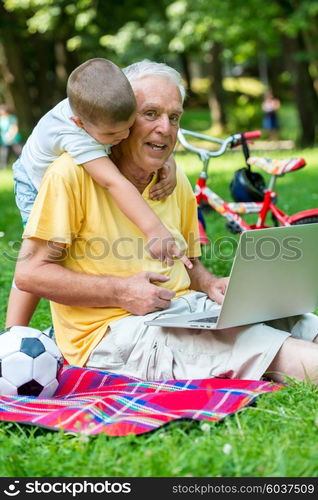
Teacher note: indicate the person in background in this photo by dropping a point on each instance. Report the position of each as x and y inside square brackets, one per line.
[270, 106]
[10, 138]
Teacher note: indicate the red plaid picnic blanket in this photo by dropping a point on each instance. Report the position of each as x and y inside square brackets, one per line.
[92, 401]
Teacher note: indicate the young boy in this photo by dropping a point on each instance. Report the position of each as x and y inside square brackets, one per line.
[98, 113]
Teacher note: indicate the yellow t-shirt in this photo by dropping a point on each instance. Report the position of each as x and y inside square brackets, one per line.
[73, 209]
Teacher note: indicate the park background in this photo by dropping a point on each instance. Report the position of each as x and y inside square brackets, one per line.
[229, 53]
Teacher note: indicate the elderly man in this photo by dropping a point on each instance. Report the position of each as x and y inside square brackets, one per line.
[90, 261]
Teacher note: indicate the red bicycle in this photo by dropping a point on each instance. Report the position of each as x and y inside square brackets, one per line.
[248, 188]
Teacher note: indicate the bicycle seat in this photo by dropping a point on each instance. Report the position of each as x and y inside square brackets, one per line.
[277, 167]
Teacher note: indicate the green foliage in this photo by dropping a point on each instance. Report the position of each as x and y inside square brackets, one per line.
[60, 35]
[197, 25]
[244, 85]
[192, 27]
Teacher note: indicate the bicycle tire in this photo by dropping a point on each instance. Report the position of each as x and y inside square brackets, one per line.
[311, 219]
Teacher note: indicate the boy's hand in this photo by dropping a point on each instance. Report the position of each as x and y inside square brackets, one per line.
[167, 181]
[165, 249]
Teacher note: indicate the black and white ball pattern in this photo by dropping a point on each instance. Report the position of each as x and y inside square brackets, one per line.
[29, 362]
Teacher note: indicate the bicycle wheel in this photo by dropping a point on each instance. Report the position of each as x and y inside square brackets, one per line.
[310, 219]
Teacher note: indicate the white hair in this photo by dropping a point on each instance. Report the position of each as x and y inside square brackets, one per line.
[145, 67]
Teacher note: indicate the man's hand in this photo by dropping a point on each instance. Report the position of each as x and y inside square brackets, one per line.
[217, 289]
[204, 281]
[139, 295]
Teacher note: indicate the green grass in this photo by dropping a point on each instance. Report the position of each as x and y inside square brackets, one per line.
[275, 437]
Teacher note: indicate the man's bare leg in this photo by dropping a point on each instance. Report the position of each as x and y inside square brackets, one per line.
[21, 306]
[296, 359]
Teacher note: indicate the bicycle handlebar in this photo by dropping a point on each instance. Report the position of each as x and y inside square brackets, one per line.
[231, 140]
[254, 134]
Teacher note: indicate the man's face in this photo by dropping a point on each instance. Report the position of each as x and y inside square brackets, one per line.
[154, 133]
[107, 132]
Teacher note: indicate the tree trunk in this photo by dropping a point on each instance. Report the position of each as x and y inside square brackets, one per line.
[44, 75]
[15, 70]
[60, 69]
[216, 91]
[187, 74]
[303, 87]
[274, 71]
[311, 42]
[6, 79]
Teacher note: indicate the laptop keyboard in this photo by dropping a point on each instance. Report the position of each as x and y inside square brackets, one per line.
[204, 320]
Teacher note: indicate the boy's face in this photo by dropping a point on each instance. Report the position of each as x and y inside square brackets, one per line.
[107, 132]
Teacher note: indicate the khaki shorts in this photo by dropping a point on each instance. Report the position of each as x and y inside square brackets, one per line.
[154, 353]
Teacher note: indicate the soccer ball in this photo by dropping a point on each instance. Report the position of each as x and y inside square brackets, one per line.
[30, 362]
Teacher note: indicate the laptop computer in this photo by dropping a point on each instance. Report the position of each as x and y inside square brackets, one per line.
[274, 275]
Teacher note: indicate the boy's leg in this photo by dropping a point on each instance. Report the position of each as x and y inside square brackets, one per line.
[21, 306]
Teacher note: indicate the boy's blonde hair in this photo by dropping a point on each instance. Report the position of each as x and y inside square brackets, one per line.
[99, 91]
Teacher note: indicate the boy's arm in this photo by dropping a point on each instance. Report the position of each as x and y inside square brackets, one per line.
[161, 244]
[167, 180]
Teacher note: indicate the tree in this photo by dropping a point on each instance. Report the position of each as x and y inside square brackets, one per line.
[288, 26]
[298, 24]
[13, 66]
[43, 40]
